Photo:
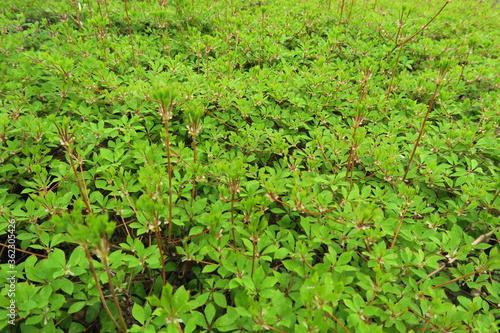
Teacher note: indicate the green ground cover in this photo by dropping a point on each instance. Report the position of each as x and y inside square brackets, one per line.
[245, 166]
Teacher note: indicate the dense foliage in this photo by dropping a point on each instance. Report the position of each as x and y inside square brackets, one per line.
[238, 166]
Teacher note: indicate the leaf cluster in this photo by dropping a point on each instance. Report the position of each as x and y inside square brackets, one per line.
[229, 166]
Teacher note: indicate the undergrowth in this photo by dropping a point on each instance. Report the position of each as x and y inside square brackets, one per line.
[237, 166]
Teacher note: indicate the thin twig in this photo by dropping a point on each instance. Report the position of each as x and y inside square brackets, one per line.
[422, 29]
[452, 260]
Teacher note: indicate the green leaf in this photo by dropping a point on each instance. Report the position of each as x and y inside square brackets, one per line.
[58, 256]
[209, 268]
[107, 154]
[181, 300]
[344, 258]
[494, 259]
[227, 320]
[27, 305]
[281, 253]
[269, 282]
[220, 300]
[196, 230]
[64, 284]
[195, 319]
[138, 313]
[294, 266]
[201, 299]
[242, 312]
[75, 307]
[33, 320]
[209, 312]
